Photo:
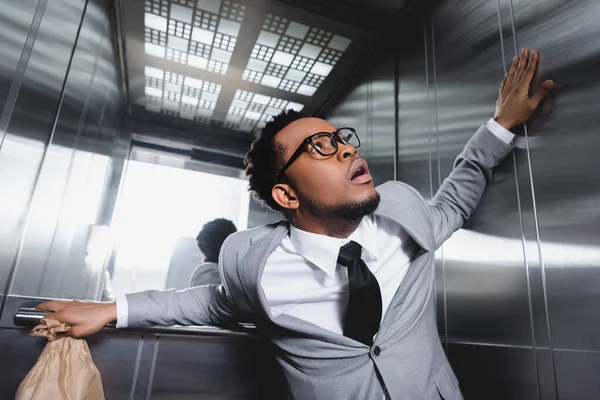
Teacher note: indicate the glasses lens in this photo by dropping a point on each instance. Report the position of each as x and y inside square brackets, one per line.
[324, 143]
[349, 137]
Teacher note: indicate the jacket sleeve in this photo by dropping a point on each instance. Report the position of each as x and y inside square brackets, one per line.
[461, 191]
[201, 305]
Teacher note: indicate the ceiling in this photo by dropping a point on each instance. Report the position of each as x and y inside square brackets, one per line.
[221, 68]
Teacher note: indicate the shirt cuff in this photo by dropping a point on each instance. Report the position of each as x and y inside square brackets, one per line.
[500, 132]
[122, 311]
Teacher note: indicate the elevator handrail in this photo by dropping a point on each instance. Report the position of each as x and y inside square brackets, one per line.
[30, 317]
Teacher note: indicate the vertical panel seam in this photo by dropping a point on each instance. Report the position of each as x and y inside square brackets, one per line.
[396, 112]
[136, 370]
[439, 177]
[152, 368]
[521, 225]
[15, 87]
[537, 229]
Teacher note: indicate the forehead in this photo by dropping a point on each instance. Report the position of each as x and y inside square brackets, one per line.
[293, 134]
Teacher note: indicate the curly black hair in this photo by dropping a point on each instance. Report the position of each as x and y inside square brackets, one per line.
[266, 158]
[212, 235]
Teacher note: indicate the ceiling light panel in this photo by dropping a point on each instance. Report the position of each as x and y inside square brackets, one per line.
[201, 34]
[179, 95]
[249, 110]
[293, 57]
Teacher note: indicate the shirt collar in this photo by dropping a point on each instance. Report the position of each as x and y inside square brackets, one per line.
[323, 250]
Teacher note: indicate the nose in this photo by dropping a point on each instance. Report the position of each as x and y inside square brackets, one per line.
[345, 151]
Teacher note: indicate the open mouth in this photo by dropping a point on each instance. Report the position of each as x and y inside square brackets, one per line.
[359, 171]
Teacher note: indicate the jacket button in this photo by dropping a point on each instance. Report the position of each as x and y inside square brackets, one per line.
[376, 351]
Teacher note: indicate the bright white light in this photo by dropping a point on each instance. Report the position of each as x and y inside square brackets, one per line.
[283, 58]
[172, 87]
[252, 115]
[198, 62]
[271, 81]
[202, 35]
[295, 106]
[155, 22]
[310, 50]
[296, 30]
[180, 13]
[221, 56]
[295, 75]
[267, 39]
[261, 99]
[193, 82]
[154, 50]
[257, 65]
[321, 69]
[229, 27]
[178, 43]
[189, 100]
[150, 91]
[306, 90]
[154, 72]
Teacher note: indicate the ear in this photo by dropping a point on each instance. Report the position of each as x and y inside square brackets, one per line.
[285, 196]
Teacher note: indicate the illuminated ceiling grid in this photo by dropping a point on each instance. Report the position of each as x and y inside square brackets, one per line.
[200, 34]
[203, 34]
[179, 95]
[292, 56]
[249, 110]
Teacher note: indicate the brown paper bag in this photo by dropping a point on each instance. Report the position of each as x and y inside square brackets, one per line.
[64, 371]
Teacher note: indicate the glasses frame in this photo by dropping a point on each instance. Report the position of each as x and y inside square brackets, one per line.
[335, 140]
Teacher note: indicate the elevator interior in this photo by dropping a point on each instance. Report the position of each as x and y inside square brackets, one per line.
[123, 127]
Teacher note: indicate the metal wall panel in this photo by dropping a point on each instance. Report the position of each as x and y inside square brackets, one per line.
[77, 182]
[223, 368]
[521, 276]
[486, 286]
[494, 372]
[562, 149]
[29, 118]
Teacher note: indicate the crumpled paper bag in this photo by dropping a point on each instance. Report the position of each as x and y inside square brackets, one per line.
[64, 371]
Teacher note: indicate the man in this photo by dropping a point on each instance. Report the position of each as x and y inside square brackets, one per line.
[344, 287]
[210, 239]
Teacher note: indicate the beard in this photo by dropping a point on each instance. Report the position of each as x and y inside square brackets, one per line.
[348, 211]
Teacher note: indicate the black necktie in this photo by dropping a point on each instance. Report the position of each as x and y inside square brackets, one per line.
[364, 306]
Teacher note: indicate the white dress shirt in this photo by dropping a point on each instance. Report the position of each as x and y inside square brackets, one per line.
[302, 279]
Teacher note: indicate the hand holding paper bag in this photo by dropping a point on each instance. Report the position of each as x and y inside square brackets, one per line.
[65, 369]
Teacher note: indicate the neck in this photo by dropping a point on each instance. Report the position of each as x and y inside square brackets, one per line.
[337, 228]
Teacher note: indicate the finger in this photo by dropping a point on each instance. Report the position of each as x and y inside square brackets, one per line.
[503, 84]
[530, 71]
[523, 61]
[54, 305]
[542, 92]
[75, 332]
[513, 69]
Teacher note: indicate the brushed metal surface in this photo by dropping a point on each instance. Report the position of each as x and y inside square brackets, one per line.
[494, 372]
[74, 182]
[214, 368]
[485, 278]
[563, 167]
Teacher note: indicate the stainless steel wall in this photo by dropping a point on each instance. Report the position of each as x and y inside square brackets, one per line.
[62, 148]
[517, 288]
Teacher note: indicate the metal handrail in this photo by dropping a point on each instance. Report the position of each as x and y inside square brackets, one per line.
[30, 317]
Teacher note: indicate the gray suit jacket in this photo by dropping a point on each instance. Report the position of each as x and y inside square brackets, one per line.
[407, 358]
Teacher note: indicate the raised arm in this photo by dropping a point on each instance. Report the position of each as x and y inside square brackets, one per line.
[460, 193]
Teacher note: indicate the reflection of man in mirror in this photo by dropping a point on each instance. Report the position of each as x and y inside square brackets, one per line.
[210, 239]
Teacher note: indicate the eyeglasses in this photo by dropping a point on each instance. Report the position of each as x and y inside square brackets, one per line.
[323, 144]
